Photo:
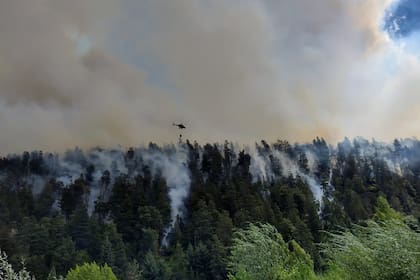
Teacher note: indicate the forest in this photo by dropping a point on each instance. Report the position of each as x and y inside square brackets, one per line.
[215, 211]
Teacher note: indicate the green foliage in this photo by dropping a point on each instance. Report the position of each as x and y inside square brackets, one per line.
[53, 231]
[112, 249]
[259, 252]
[333, 273]
[7, 272]
[179, 264]
[240, 275]
[91, 271]
[133, 271]
[385, 250]
[384, 212]
[154, 268]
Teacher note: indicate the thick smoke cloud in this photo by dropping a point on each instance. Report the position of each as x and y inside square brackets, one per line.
[113, 72]
[54, 95]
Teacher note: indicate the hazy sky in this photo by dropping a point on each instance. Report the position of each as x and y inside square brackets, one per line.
[108, 72]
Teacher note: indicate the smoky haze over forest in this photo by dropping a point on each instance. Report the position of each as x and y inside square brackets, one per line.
[108, 72]
[264, 164]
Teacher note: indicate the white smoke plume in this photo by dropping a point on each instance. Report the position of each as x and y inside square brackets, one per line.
[262, 170]
[312, 160]
[172, 164]
[290, 167]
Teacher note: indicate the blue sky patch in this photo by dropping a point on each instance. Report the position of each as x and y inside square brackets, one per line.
[403, 19]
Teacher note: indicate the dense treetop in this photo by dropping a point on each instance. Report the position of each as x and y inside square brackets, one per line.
[184, 211]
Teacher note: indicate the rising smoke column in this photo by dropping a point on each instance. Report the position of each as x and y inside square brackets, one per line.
[290, 167]
[172, 164]
[262, 169]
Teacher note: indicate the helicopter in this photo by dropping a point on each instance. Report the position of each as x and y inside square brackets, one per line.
[179, 125]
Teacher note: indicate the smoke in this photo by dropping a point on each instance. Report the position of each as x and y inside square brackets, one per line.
[55, 95]
[108, 72]
[312, 160]
[263, 169]
[269, 163]
[168, 162]
[172, 165]
[260, 167]
[290, 167]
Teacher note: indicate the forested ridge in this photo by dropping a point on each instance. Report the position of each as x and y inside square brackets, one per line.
[190, 211]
